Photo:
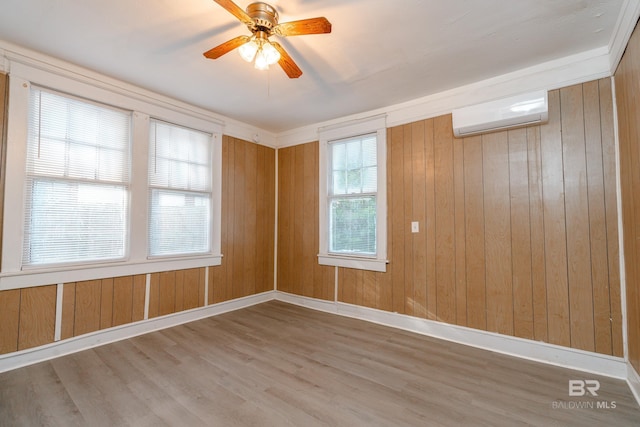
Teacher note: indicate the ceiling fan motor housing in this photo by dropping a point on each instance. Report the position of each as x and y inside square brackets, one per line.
[263, 15]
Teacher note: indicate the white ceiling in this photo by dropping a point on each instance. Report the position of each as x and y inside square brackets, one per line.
[380, 52]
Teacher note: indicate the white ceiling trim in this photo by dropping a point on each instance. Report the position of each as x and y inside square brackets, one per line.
[574, 69]
[627, 19]
[17, 56]
[579, 68]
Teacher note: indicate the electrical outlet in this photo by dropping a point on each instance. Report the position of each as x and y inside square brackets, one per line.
[415, 226]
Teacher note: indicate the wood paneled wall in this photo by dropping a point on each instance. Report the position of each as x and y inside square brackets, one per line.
[27, 316]
[627, 82]
[248, 221]
[518, 229]
[298, 268]
[93, 305]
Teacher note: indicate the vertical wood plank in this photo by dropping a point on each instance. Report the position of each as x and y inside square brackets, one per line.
[239, 228]
[179, 295]
[284, 219]
[262, 224]
[520, 234]
[232, 190]
[611, 212]
[37, 316]
[106, 303]
[9, 320]
[554, 226]
[445, 220]
[369, 291]
[154, 295]
[68, 310]
[87, 306]
[474, 233]
[201, 286]
[398, 226]
[347, 285]
[419, 242]
[407, 189]
[167, 293]
[270, 181]
[137, 305]
[498, 233]
[298, 221]
[459, 227]
[430, 221]
[191, 288]
[577, 219]
[122, 300]
[250, 221]
[597, 218]
[536, 215]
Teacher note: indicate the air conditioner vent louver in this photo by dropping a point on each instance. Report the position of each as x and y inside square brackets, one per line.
[516, 111]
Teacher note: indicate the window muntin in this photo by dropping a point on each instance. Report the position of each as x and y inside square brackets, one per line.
[77, 181]
[180, 174]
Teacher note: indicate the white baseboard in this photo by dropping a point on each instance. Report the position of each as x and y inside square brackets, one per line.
[72, 345]
[633, 379]
[527, 349]
[537, 351]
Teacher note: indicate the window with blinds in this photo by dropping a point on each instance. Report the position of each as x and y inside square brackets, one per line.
[180, 174]
[77, 181]
[352, 195]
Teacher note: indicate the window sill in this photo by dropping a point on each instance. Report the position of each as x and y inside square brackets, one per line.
[358, 263]
[52, 276]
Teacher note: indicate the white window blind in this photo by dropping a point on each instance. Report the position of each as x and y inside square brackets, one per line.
[180, 171]
[353, 196]
[77, 181]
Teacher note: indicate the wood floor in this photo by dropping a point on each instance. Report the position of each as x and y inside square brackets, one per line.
[277, 364]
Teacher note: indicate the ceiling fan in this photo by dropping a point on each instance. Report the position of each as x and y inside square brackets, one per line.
[262, 20]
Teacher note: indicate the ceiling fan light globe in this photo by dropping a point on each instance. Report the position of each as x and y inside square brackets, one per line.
[248, 50]
[261, 61]
[272, 56]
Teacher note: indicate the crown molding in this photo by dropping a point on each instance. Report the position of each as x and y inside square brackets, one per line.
[627, 19]
[578, 68]
[14, 56]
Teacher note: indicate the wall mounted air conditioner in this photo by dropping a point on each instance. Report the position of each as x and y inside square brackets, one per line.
[516, 111]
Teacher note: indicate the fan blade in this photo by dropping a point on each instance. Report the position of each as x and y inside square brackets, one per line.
[226, 47]
[235, 10]
[287, 64]
[302, 27]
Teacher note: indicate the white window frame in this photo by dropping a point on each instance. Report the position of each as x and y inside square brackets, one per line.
[370, 125]
[22, 76]
[168, 188]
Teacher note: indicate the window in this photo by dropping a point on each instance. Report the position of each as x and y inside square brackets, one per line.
[82, 203]
[77, 181]
[179, 190]
[353, 195]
